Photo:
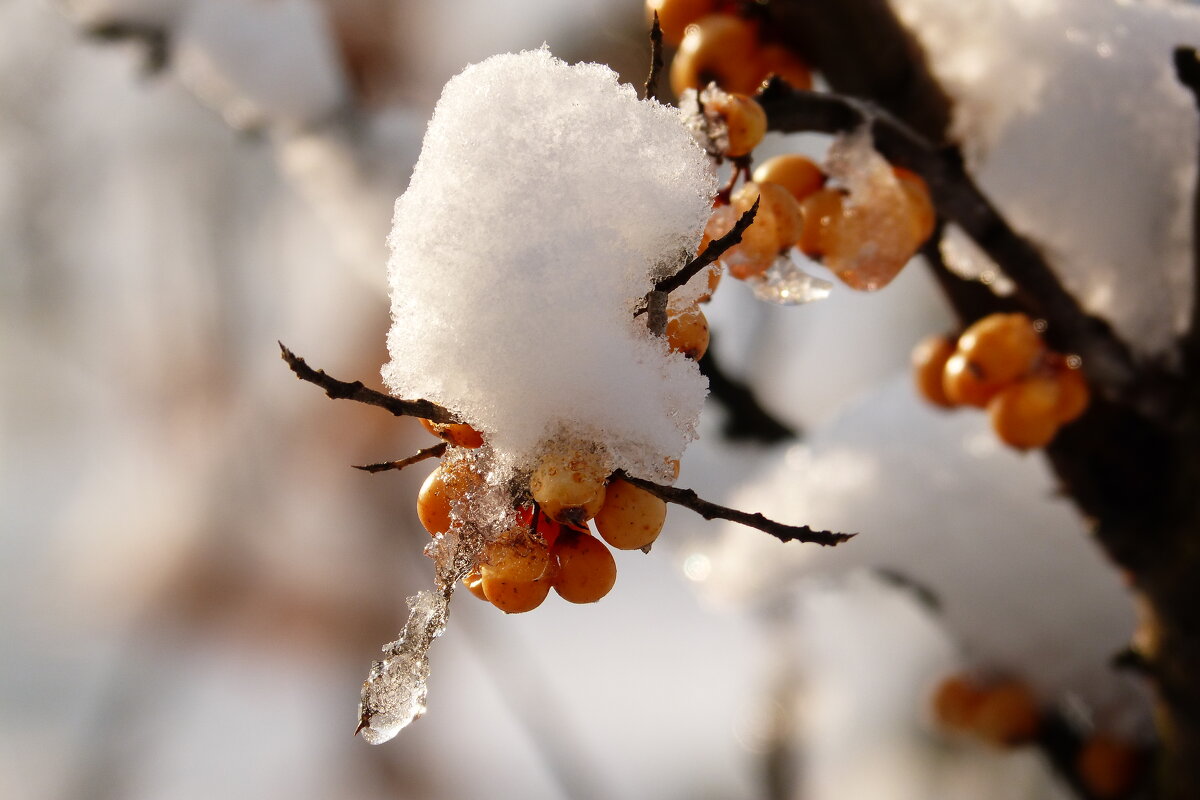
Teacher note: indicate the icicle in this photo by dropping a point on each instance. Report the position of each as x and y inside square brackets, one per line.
[787, 284]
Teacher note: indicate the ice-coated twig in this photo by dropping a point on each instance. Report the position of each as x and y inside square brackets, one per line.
[1106, 358]
[715, 250]
[1187, 69]
[356, 391]
[656, 60]
[436, 451]
[689, 499]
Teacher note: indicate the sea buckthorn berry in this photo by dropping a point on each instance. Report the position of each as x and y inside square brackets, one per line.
[546, 528]
[1007, 714]
[474, 583]
[514, 597]
[929, 366]
[744, 120]
[964, 384]
[675, 15]
[631, 518]
[775, 59]
[820, 214]
[1107, 767]
[585, 569]
[777, 225]
[445, 485]
[717, 48]
[1073, 394]
[569, 485]
[459, 434]
[955, 703]
[1025, 414]
[1002, 347]
[514, 556]
[799, 175]
[687, 330]
[924, 215]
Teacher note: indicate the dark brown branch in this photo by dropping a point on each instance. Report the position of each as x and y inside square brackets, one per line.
[656, 60]
[154, 40]
[1107, 359]
[689, 499]
[715, 250]
[745, 419]
[356, 391]
[1187, 69]
[436, 451]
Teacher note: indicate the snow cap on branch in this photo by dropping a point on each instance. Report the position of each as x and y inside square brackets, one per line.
[546, 201]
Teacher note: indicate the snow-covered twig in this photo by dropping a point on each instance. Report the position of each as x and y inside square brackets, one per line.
[1107, 359]
[341, 390]
[689, 499]
[436, 451]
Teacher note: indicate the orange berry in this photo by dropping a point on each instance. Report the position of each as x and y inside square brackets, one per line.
[955, 703]
[474, 583]
[514, 556]
[585, 570]
[1107, 767]
[799, 175]
[777, 225]
[1002, 347]
[514, 597]
[744, 119]
[1025, 414]
[820, 214]
[631, 518]
[675, 15]
[687, 330]
[459, 434]
[445, 485]
[775, 59]
[1007, 714]
[964, 385]
[569, 485]
[929, 366]
[1073, 394]
[924, 215]
[718, 48]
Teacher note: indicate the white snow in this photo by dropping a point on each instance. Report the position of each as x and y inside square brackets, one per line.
[1075, 125]
[546, 199]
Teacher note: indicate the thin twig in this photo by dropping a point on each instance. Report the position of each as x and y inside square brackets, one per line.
[1106, 358]
[436, 451]
[689, 499]
[356, 391]
[1187, 69]
[656, 60]
[715, 250]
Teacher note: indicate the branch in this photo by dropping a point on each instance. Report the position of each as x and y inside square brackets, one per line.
[746, 418]
[1107, 359]
[153, 38]
[1187, 69]
[689, 499]
[656, 60]
[715, 250]
[436, 451]
[341, 390]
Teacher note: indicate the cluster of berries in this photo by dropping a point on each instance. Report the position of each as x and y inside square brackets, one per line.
[549, 544]
[1006, 714]
[717, 44]
[1001, 363]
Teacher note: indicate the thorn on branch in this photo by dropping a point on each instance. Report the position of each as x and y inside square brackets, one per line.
[356, 391]
[656, 60]
[689, 499]
[436, 451]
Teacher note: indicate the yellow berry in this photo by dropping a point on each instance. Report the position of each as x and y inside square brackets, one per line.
[568, 484]
[777, 225]
[929, 366]
[474, 583]
[444, 486]
[955, 703]
[514, 556]
[675, 15]
[775, 59]
[1025, 414]
[799, 175]
[631, 518]
[1073, 394]
[1107, 767]
[745, 121]
[514, 597]
[717, 48]
[820, 214]
[585, 569]
[459, 434]
[1007, 714]
[687, 330]
[1002, 347]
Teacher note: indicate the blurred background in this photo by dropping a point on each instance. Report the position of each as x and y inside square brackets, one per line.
[194, 581]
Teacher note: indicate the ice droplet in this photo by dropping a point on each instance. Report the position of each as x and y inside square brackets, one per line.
[786, 283]
[394, 693]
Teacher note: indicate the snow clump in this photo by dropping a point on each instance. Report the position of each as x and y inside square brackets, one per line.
[546, 201]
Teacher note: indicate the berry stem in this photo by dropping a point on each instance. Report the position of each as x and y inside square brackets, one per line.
[434, 451]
